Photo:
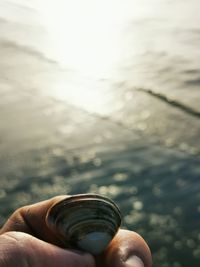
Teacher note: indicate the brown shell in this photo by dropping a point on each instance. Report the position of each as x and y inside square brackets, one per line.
[87, 221]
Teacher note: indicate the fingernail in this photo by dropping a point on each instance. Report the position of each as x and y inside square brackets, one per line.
[134, 261]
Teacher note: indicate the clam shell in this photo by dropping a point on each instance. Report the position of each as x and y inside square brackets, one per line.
[87, 222]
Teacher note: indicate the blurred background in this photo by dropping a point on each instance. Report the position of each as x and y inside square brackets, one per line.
[103, 96]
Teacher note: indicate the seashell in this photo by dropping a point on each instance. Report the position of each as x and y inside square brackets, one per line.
[87, 222]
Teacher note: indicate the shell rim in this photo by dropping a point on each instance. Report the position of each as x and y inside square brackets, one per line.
[84, 197]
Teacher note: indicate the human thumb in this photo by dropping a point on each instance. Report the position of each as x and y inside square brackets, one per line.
[23, 250]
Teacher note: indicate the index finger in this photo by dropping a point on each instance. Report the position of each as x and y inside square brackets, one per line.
[31, 219]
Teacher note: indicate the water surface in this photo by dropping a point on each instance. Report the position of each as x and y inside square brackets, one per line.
[87, 95]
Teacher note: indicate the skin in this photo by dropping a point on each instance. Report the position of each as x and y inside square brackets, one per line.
[26, 241]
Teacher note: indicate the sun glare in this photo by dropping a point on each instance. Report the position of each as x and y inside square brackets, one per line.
[85, 34]
[86, 38]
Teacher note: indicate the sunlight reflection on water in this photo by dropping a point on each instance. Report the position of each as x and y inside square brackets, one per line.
[121, 40]
[88, 38]
[148, 44]
[86, 34]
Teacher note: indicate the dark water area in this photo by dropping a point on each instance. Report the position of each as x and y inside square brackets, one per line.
[127, 128]
[70, 152]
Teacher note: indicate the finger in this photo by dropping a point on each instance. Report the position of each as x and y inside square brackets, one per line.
[31, 219]
[23, 250]
[127, 249]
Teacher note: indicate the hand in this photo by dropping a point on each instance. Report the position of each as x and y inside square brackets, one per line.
[26, 241]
